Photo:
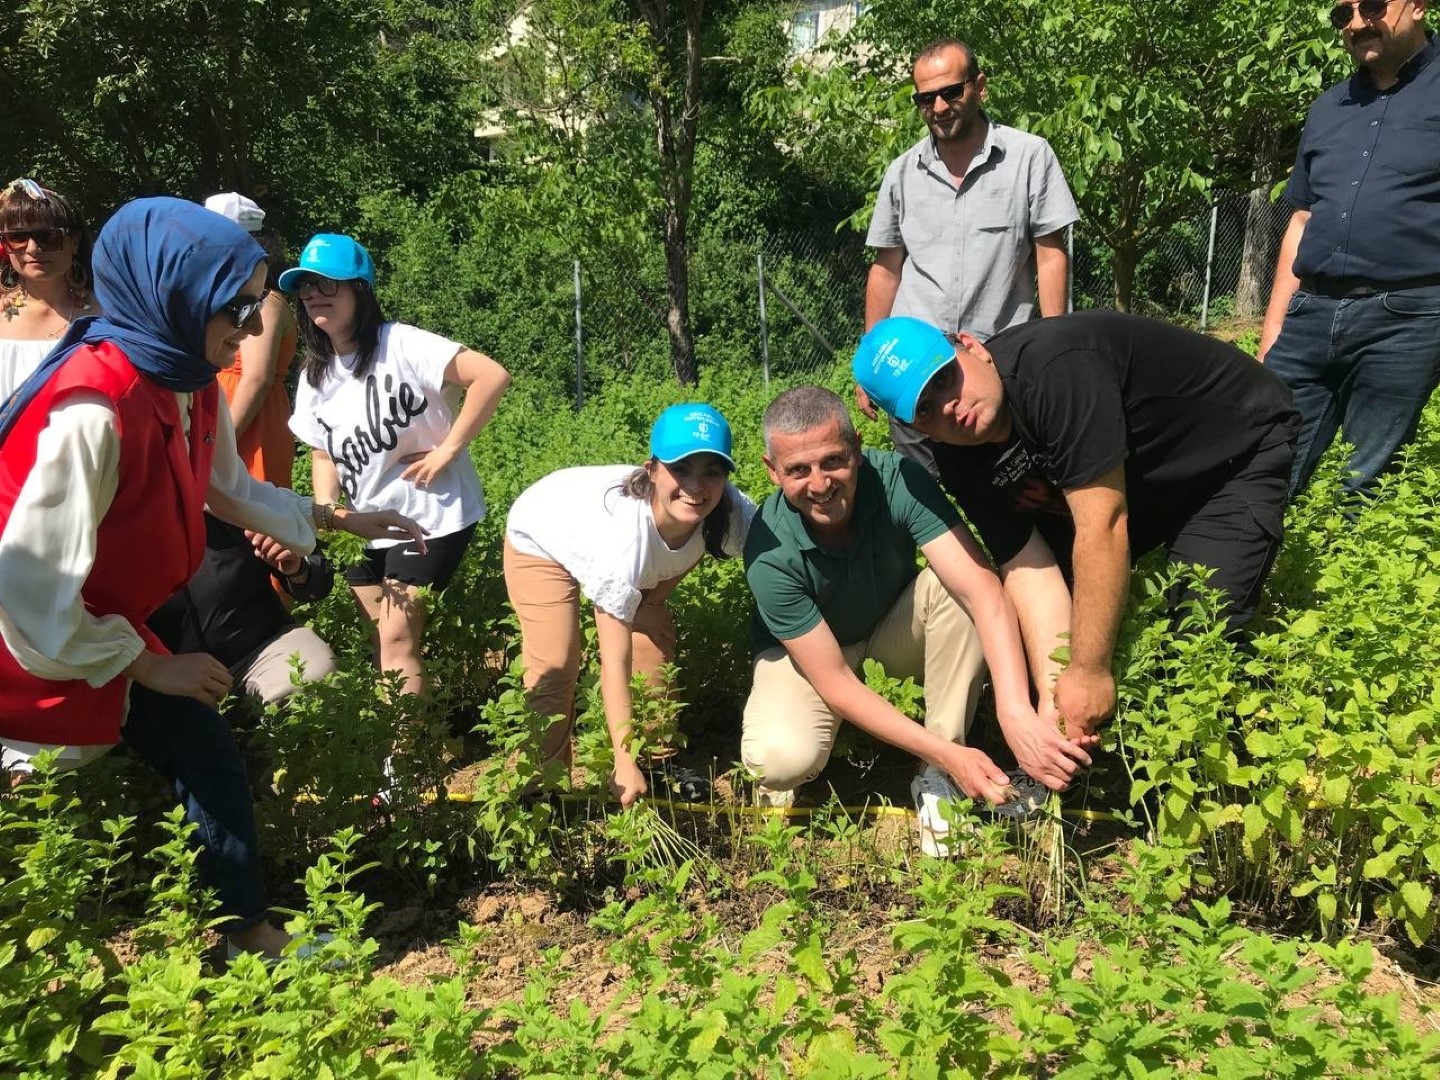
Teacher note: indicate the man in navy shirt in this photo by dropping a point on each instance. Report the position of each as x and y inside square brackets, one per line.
[1353, 324]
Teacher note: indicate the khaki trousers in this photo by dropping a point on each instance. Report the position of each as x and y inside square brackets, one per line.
[267, 676]
[547, 600]
[789, 731]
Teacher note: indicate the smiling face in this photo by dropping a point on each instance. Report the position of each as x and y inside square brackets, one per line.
[818, 471]
[963, 404]
[33, 264]
[1384, 44]
[686, 491]
[222, 336]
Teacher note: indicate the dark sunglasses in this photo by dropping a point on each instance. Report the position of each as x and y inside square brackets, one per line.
[242, 311]
[311, 284]
[925, 99]
[1370, 10]
[45, 239]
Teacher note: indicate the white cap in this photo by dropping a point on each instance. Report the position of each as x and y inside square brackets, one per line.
[244, 212]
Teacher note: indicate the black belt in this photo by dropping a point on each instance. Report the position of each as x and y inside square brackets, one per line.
[1346, 288]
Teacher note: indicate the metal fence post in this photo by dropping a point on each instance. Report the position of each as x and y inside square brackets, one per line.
[1070, 268]
[1209, 265]
[764, 321]
[579, 345]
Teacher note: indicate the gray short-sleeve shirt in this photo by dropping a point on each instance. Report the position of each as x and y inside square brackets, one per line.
[970, 253]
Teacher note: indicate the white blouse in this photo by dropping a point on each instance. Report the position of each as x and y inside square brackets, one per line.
[18, 359]
[48, 546]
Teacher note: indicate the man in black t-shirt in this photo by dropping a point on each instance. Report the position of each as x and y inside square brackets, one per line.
[1075, 444]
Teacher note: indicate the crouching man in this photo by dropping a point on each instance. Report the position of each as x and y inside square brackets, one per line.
[831, 562]
[1077, 443]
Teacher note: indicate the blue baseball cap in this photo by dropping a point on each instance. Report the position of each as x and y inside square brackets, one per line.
[682, 430]
[331, 255]
[897, 359]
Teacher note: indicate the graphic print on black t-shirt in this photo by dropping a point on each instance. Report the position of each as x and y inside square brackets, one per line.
[378, 434]
[1018, 472]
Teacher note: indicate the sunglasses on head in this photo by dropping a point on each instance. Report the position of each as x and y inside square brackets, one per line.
[310, 284]
[45, 239]
[242, 310]
[1370, 10]
[925, 99]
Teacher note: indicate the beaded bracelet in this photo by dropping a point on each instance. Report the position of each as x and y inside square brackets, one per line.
[327, 516]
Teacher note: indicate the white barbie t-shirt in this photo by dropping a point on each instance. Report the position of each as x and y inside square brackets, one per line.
[369, 425]
[607, 540]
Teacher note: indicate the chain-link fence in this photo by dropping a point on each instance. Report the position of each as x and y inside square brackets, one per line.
[789, 303]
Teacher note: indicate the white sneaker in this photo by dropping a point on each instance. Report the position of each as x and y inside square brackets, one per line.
[929, 788]
[774, 798]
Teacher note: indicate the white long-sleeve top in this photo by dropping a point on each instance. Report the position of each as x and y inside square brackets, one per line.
[48, 546]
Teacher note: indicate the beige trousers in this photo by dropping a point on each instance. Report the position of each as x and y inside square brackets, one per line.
[267, 676]
[789, 731]
[547, 600]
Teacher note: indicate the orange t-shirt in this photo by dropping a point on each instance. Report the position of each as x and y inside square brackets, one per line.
[267, 447]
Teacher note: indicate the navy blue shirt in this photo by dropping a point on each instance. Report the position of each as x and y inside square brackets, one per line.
[1368, 170]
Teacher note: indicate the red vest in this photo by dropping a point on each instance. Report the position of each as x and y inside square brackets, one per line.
[149, 542]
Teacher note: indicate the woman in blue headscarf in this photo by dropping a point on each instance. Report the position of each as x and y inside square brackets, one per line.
[109, 453]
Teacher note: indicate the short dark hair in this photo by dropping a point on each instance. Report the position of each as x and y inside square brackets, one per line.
[805, 408]
[320, 350]
[944, 45]
[19, 211]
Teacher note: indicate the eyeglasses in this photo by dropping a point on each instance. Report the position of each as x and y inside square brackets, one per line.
[243, 310]
[925, 99]
[1370, 10]
[45, 239]
[310, 284]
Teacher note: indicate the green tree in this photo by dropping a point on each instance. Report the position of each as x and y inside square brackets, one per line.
[1150, 106]
[307, 104]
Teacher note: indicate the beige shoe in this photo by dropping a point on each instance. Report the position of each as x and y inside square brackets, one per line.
[774, 798]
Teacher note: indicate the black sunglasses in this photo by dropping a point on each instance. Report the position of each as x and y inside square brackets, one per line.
[309, 284]
[242, 311]
[925, 99]
[1370, 10]
[45, 239]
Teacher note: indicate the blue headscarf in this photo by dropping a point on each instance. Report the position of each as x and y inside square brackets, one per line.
[163, 268]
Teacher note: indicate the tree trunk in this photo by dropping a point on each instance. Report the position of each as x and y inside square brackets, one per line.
[1123, 261]
[1263, 228]
[677, 76]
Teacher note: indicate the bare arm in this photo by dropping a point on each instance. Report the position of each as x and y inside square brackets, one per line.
[484, 381]
[323, 477]
[1039, 747]
[1085, 692]
[1033, 581]
[1285, 282]
[259, 363]
[817, 654]
[882, 284]
[616, 660]
[1052, 273]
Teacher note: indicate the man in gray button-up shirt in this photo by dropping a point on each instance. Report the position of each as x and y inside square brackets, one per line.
[970, 220]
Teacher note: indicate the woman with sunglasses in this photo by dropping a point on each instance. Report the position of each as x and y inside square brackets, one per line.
[254, 386]
[109, 454]
[376, 403]
[44, 276]
[624, 537]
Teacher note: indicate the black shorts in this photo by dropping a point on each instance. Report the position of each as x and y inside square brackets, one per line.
[404, 562]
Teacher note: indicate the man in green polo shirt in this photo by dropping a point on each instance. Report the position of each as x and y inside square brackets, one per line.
[831, 562]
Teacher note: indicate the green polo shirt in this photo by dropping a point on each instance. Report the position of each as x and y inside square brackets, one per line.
[796, 582]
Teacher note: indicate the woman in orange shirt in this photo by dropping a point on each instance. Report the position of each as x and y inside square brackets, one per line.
[254, 385]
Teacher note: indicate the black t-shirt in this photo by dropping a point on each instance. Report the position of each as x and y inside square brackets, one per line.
[1090, 391]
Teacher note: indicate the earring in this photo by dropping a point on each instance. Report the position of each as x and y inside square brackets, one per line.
[9, 277]
[75, 284]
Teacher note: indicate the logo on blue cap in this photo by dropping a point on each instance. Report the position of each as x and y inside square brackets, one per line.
[692, 428]
[897, 359]
[331, 255]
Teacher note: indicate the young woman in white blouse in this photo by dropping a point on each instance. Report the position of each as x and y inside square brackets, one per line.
[376, 404]
[623, 537]
[44, 276]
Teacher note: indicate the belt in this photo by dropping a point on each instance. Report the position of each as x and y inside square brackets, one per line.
[1346, 288]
